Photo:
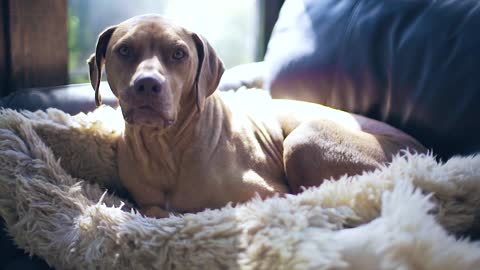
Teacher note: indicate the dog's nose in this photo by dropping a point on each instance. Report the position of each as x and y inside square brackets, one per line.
[148, 83]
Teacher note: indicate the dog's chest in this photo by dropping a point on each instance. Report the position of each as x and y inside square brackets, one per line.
[212, 181]
[206, 176]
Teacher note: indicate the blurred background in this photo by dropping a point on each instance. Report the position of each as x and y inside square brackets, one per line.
[232, 31]
[46, 43]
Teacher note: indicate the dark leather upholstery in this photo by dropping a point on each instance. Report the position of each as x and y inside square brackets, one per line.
[413, 64]
[69, 98]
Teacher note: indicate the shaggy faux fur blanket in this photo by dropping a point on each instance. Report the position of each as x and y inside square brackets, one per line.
[53, 168]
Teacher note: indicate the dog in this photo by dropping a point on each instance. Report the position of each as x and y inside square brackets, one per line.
[185, 149]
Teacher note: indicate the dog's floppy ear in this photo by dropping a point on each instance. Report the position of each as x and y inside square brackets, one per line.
[209, 71]
[97, 60]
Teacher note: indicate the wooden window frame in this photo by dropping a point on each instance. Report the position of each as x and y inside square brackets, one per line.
[33, 44]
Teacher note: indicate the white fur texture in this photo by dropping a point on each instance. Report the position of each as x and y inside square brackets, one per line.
[401, 216]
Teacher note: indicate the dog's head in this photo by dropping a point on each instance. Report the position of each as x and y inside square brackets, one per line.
[155, 68]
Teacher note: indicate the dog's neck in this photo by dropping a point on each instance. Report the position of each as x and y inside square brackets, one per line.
[169, 137]
[171, 143]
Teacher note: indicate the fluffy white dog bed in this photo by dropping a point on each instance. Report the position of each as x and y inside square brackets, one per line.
[402, 216]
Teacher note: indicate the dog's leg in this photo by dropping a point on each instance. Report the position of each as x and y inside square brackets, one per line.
[323, 149]
[155, 212]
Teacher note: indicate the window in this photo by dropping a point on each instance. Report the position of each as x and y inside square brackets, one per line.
[230, 26]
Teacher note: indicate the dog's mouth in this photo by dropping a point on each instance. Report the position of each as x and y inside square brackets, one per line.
[147, 115]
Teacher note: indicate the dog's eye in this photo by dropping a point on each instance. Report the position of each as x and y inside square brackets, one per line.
[179, 54]
[124, 50]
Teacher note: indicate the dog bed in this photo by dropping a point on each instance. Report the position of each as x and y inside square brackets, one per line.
[54, 169]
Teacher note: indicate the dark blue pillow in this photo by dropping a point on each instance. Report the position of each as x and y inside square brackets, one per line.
[414, 64]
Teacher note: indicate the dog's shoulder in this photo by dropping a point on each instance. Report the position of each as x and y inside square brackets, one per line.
[252, 109]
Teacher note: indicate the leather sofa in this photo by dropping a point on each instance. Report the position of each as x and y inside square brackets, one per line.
[412, 64]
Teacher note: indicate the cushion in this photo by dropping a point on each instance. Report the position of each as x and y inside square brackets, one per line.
[412, 64]
[73, 99]
[245, 75]
[54, 168]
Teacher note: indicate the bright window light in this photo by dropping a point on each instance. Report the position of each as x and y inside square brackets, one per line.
[230, 26]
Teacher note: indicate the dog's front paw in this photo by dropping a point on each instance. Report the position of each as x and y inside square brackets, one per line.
[154, 212]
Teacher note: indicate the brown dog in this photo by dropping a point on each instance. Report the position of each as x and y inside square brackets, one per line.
[184, 149]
